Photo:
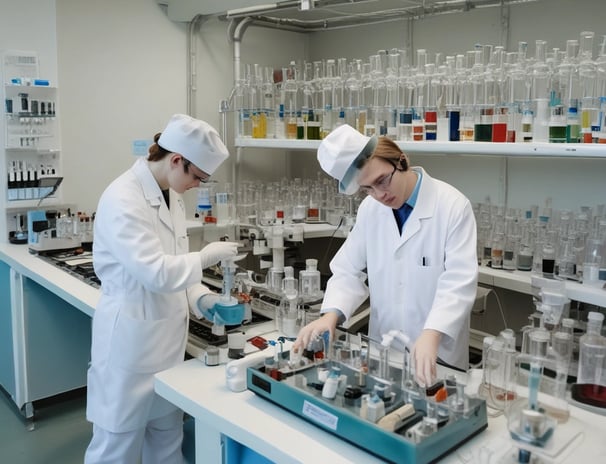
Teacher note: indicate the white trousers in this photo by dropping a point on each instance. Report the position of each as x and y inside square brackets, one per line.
[157, 443]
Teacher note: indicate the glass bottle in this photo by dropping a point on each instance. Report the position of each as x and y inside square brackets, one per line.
[592, 352]
[290, 89]
[527, 120]
[562, 339]
[287, 322]
[573, 125]
[309, 280]
[512, 244]
[500, 374]
[496, 251]
[593, 260]
[352, 96]
[525, 252]
[328, 98]
[269, 105]
[557, 125]
[541, 358]
[567, 260]
[540, 74]
[548, 258]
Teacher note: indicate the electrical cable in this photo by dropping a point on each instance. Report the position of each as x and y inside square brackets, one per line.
[332, 236]
[496, 295]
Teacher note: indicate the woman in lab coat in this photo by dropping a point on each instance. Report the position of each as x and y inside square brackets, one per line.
[414, 240]
[149, 281]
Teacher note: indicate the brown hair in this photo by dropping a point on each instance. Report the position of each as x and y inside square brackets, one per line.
[388, 150]
[156, 152]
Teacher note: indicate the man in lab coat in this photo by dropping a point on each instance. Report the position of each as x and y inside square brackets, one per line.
[149, 282]
[414, 240]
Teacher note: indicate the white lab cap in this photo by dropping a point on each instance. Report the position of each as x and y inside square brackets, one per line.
[197, 141]
[340, 152]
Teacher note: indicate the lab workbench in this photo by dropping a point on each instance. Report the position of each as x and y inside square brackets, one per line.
[280, 436]
[45, 328]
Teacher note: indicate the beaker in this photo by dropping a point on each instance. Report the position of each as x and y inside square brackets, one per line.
[501, 375]
[274, 278]
[288, 320]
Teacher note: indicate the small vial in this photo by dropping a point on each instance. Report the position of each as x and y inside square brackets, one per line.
[331, 385]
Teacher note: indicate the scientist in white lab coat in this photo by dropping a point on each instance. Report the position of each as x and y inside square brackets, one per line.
[414, 242]
[150, 281]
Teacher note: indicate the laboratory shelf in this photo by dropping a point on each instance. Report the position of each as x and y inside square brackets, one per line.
[519, 281]
[288, 144]
[33, 150]
[15, 205]
[549, 150]
[310, 230]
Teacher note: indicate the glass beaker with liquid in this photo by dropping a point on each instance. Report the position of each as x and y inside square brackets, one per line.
[499, 384]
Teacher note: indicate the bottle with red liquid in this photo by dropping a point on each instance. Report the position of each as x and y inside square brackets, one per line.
[499, 124]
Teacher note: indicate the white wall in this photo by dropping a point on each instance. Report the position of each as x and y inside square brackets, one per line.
[215, 56]
[29, 25]
[122, 74]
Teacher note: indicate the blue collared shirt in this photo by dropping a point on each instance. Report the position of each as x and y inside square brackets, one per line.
[401, 214]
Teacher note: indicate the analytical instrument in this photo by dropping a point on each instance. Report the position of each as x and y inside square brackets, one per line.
[363, 393]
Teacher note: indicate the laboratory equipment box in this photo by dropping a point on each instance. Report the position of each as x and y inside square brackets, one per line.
[427, 431]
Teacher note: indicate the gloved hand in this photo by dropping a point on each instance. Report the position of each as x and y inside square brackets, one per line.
[326, 323]
[226, 315]
[206, 304]
[214, 252]
[425, 356]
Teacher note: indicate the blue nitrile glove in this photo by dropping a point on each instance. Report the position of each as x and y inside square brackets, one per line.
[213, 309]
[206, 305]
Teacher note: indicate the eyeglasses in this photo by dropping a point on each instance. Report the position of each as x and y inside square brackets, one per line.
[381, 184]
[186, 164]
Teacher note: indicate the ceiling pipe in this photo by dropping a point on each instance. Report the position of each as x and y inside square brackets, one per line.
[236, 30]
[262, 16]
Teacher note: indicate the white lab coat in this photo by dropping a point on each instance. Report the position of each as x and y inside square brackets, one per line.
[406, 294]
[140, 325]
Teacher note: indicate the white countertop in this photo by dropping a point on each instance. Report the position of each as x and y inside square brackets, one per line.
[251, 420]
[73, 290]
[283, 437]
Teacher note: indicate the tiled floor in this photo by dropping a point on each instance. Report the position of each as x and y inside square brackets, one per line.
[60, 434]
